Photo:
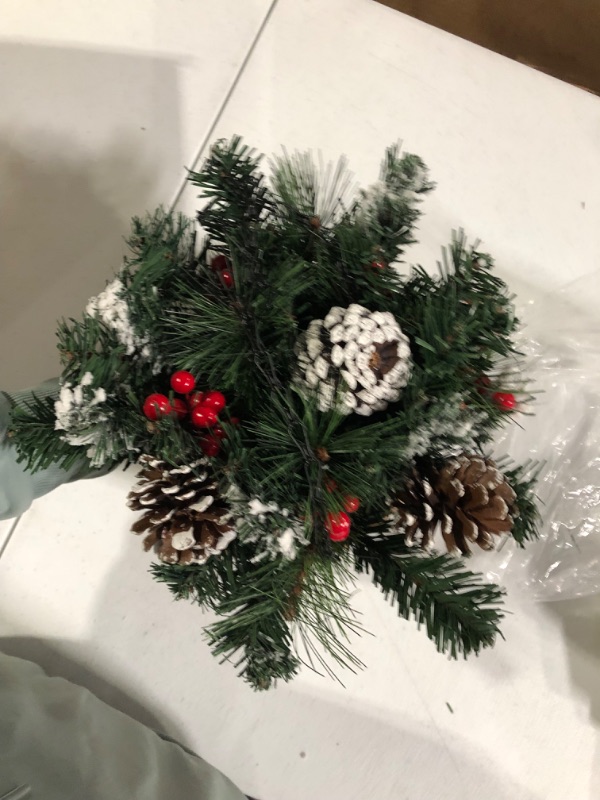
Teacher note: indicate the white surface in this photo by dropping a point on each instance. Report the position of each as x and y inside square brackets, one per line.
[103, 106]
[515, 153]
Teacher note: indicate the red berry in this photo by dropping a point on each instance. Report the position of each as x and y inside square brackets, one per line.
[504, 400]
[210, 446]
[156, 406]
[219, 263]
[182, 382]
[214, 400]
[330, 484]
[378, 264]
[179, 407]
[218, 432]
[227, 278]
[195, 399]
[234, 420]
[203, 417]
[338, 526]
[351, 504]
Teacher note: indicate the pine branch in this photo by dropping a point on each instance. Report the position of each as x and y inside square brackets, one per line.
[89, 346]
[233, 186]
[460, 325]
[171, 235]
[254, 630]
[251, 599]
[523, 479]
[389, 210]
[309, 194]
[461, 614]
[359, 248]
[33, 432]
[208, 338]
[205, 585]
[323, 618]
[405, 172]
[271, 610]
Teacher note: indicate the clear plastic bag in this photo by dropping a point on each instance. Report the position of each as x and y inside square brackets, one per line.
[561, 339]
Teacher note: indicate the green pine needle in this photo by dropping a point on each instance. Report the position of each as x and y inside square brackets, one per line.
[297, 244]
[461, 614]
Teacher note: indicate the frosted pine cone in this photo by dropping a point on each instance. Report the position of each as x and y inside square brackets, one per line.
[478, 504]
[468, 499]
[185, 517]
[416, 511]
[356, 359]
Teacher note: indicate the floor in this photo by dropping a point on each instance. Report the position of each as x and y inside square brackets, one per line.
[102, 110]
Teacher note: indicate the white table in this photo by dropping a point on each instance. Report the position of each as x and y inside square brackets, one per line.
[516, 156]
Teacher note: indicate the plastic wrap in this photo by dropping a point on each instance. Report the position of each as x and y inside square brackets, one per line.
[561, 432]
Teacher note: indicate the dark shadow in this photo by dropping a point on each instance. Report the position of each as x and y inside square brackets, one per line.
[459, 771]
[88, 140]
[412, 765]
[580, 621]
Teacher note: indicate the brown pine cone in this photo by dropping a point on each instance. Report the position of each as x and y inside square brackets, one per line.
[478, 503]
[185, 517]
[468, 498]
[416, 511]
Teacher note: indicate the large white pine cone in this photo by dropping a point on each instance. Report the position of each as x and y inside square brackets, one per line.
[357, 359]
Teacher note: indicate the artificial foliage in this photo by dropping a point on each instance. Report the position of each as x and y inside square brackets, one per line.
[305, 407]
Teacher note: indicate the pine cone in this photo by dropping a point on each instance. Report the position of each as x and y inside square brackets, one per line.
[415, 511]
[184, 515]
[468, 498]
[357, 359]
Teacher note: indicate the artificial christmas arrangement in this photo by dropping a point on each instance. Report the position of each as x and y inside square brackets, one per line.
[302, 408]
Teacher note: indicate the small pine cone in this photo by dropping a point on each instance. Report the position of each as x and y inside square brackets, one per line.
[355, 359]
[184, 517]
[468, 498]
[477, 503]
[415, 511]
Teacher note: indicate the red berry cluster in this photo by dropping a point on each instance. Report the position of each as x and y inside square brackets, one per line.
[220, 265]
[338, 523]
[203, 408]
